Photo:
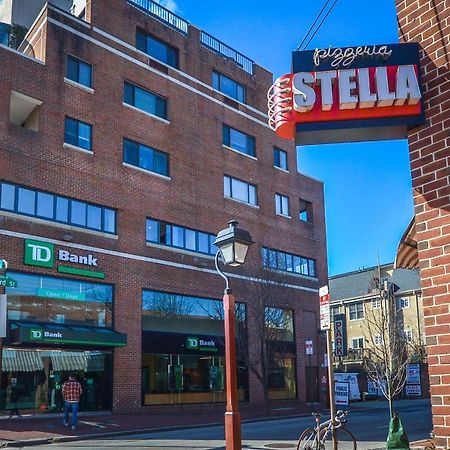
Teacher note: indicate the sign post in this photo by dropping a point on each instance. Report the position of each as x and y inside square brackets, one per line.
[309, 352]
[3, 315]
[325, 324]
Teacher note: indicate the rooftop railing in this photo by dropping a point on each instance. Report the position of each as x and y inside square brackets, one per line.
[162, 14]
[224, 50]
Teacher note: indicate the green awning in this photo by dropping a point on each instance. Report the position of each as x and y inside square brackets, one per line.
[60, 334]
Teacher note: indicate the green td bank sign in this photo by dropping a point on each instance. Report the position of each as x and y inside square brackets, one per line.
[43, 254]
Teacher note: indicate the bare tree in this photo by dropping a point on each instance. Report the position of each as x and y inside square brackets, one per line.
[271, 329]
[389, 354]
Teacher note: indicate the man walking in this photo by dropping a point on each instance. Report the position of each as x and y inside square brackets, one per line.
[71, 392]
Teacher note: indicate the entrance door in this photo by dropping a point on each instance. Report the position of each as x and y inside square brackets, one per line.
[312, 384]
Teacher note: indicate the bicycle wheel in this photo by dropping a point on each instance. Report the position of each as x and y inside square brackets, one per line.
[307, 440]
[345, 439]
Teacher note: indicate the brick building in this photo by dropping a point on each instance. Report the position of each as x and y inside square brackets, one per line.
[428, 22]
[128, 139]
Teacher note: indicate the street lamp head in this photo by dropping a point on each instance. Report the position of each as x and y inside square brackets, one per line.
[3, 264]
[233, 243]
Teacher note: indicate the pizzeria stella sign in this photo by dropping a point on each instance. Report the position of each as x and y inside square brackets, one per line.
[348, 94]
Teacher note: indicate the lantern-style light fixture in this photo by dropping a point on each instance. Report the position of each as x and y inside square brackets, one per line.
[233, 244]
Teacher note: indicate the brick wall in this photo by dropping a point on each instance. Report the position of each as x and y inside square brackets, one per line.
[193, 197]
[428, 22]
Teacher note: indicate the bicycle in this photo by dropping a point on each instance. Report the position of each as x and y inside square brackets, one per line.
[320, 437]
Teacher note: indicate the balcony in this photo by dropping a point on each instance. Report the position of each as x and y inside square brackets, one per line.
[175, 22]
[227, 52]
[162, 14]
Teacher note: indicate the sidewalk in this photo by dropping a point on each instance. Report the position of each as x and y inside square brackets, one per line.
[44, 429]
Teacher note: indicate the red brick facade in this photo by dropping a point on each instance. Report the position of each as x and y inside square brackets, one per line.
[428, 22]
[193, 196]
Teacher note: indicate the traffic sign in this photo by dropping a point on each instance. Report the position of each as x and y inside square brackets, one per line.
[324, 296]
[309, 348]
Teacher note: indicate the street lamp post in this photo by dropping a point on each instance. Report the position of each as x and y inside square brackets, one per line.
[233, 244]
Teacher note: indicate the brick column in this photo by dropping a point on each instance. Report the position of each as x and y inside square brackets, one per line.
[428, 22]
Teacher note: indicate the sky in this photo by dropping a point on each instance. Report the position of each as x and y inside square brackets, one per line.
[368, 194]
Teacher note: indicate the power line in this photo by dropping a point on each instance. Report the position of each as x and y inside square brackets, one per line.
[320, 24]
[315, 21]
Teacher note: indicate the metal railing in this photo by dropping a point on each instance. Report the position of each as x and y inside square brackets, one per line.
[162, 14]
[219, 47]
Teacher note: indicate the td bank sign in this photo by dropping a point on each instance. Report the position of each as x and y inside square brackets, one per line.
[43, 254]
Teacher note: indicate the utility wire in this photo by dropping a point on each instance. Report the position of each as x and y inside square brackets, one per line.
[312, 26]
[320, 24]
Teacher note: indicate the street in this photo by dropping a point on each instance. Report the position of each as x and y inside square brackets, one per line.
[369, 424]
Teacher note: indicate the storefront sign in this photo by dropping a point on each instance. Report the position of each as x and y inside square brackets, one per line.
[7, 282]
[39, 253]
[22, 333]
[348, 94]
[202, 345]
[341, 392]
[340, 335]
[53, 293]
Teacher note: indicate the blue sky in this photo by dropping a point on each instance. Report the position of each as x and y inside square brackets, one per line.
[368, 192]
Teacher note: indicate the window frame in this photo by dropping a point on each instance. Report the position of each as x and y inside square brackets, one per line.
[280, 199]
[68, 201]
[159, 235]
[78, 122]
[359, 312]
[139, 157]
[249, 195]
[270, 260]
[250, 141]
[168, 48]
[216, 75]
[277, 152]
[79, 61]
[157, 98]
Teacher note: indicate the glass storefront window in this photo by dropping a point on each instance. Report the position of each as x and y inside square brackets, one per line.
[183, 349]
[31, 379]
[174, 378]
[48, 299]
[282, 378]
[279, 324]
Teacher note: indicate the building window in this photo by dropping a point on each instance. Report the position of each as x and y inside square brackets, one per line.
[144, 100]
[47, 206]
[282, 205]
[305, 213]
[334, 310]
[358, 342]
[228, 86]
[183, 350]
[239, 141]
[356, 311]
[79, 71]
[147, 158]
[403, 303]
[279, 324]
[78, 133]
[171, 235]
[39, 298]
[378, 340]
[239, 190]
[408, 336]
[376, 303]
[287, 262]
[280, 159]
[157, 49]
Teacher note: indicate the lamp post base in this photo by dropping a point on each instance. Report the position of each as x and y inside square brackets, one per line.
[233, 430]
